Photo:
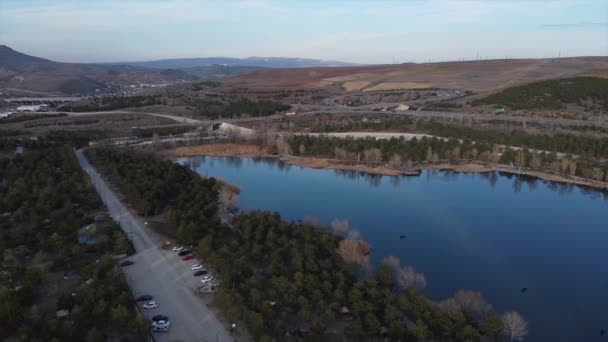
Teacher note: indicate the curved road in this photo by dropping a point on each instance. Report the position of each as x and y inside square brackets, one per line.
[159, 273]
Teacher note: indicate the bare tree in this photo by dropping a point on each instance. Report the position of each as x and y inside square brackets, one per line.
[535, 162]
[396, 161]
[429, 154]
[572, 167]
[514, 326]
[341, 226]
[473, 302]
[373, 156]
[283, 147]
[355, 251]
[520, 159]
[406, 276]
[156, 142]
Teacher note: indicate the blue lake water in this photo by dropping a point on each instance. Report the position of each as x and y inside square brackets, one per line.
[494, 233]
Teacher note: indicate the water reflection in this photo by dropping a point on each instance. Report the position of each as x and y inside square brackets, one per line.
[235, 162]
[501, 240]
[372, 179]
[517, 180]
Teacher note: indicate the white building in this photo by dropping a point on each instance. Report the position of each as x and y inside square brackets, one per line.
[33, 108]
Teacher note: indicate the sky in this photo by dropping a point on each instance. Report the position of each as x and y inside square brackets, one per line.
[357, 31]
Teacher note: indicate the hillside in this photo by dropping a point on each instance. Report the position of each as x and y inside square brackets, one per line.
[25, 72]
[472, 75]
[590, 92]
[211, 72]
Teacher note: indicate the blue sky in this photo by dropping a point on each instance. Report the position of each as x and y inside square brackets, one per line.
[356, 31]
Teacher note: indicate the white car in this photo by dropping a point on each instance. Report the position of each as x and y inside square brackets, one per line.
[207, 278]
[178, 248]
[151, 305]
[161, 326]
[197, 267]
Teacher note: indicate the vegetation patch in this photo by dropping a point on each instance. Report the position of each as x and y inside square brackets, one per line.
[111, 103]
[553, 94]
[29, 117]
[53, 288]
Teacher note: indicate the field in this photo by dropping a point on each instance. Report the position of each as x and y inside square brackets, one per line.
[473, 75]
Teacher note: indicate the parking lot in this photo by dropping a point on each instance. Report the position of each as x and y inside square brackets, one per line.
[161, 273]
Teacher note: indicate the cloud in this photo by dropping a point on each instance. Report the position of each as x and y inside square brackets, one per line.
[575, 25]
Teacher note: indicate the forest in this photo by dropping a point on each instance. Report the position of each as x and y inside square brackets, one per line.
[29, 117]
[553, 94]
[586, 145]
[399, 153]
[215, 109]
[45, 199]
[279, 276]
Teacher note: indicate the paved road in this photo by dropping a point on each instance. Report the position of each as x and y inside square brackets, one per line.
[365, 110]
[175, 118]
[159, 273]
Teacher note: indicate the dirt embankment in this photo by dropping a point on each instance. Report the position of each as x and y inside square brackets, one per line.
[245, 150]
[218, 150]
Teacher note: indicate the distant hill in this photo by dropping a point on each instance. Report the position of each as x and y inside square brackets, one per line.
[29, 73]
[482, 76]
[260, 62]
[211, 72]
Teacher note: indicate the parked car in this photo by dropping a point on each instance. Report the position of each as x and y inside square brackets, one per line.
[178, 248]
[197, 267]
[182, 253]
[161, 326]
[207, 278]
[157, 318]
[151, 305]
[144, 298]
[200, 273]
[126, 263]
[188, 257]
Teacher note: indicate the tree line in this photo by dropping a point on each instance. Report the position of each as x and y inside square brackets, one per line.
[111, 103]
[399, 153]
[278, 276]
[590, 146]
[216, 109]
[45, 198]
[29, 117]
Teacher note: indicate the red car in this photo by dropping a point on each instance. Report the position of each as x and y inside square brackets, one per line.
[188, 257]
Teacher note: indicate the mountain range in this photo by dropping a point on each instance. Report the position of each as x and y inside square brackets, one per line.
[21, 73]
[258, 62]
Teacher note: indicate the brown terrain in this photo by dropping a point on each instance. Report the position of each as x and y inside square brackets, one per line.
[471, 75]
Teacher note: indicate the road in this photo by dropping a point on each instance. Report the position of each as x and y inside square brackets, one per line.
[366, 110]
[159, 273]
[178, 119]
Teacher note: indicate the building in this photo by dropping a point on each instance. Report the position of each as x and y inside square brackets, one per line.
[33, 108]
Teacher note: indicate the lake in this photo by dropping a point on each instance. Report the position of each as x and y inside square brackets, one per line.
[490, 232]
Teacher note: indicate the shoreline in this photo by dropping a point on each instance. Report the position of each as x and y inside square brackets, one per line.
[253, 151]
